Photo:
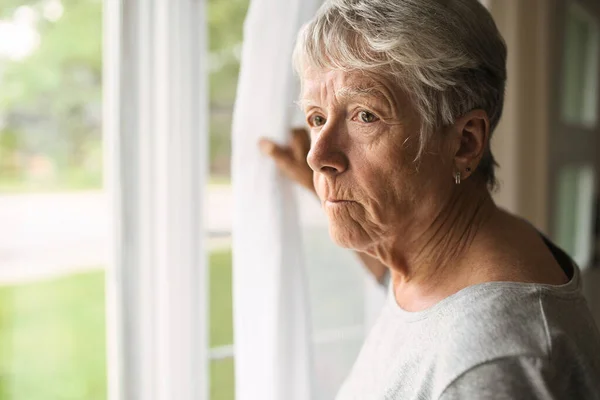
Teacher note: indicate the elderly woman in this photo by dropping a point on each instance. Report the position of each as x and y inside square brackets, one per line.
[401, 98]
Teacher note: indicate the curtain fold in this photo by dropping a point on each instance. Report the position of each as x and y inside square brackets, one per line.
[302, 305]
[272, 332]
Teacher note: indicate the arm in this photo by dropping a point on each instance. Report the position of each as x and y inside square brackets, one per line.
[506, 378]
[291, 161]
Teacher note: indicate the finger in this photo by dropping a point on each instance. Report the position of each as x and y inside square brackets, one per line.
[281, 155]
[286, 166]
[270, 148]
[300, 144]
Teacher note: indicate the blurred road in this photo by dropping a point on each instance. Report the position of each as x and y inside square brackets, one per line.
[43, 235]
[46, 234]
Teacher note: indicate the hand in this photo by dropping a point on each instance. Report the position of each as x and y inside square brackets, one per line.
[291, 160]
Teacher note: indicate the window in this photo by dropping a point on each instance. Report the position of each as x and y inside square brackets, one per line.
[339, 293]
[580, 64]
[574, 140]
[575, 213]
[52, 206]
[225, 24]
[55, 215]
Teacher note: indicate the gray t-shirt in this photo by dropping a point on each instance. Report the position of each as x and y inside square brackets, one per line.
[496, 340]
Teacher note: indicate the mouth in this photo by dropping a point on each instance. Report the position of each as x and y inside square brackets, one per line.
[337, 202]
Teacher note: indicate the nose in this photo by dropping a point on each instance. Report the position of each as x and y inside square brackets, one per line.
[326, 153]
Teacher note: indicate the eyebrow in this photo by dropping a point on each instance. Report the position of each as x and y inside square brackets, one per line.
[349, 92]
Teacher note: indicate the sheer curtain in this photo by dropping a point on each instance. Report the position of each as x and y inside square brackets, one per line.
[301, 305]
[271, 335]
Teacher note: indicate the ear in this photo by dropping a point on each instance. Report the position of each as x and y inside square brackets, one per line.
[472, 139]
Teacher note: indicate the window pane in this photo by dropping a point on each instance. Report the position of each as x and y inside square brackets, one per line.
[225, 25]
[338, 292]
[221, 382]
[221, 316]
[575, 213]
[52, 213]
[580, 66]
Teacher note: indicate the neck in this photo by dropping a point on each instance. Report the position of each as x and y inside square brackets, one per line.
[427, 261]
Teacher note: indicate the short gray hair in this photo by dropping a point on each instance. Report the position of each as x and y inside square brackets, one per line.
[446, 54]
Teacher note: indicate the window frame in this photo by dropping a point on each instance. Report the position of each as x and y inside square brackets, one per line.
[571, 144]
[156, 163]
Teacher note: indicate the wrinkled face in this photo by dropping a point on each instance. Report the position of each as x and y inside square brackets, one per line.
[364, 139]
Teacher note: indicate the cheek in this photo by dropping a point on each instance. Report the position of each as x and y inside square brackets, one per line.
[389, 179]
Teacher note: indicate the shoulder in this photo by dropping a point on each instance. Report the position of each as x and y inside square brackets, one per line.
[524, 377]
[497, 320]
[490, 322]
[522, 333]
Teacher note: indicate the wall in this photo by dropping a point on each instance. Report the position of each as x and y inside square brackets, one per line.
[521, 142]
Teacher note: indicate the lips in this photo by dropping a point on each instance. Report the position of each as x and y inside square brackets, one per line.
[337, 202]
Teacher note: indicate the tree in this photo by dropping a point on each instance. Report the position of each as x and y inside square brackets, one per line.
[225, 28]
[58, 87]
[52, 98]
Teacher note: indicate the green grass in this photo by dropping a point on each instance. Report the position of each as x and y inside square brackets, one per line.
[52, 336]
[221, 380]
[52, 339]
[221, 324]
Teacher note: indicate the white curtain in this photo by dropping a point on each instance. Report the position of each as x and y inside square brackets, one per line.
[301, 305]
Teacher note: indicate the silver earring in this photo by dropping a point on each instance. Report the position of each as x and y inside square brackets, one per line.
[457, 178]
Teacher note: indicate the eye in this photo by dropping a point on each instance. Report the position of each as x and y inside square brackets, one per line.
[317, 120]
[367, 117]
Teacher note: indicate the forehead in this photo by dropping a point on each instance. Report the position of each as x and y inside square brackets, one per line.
[320, 85]
[341, 83]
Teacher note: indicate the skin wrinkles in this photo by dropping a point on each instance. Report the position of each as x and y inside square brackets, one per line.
[385, 149]
[372, 225]
[435, 237]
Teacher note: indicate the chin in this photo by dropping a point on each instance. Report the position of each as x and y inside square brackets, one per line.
[348, 235]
